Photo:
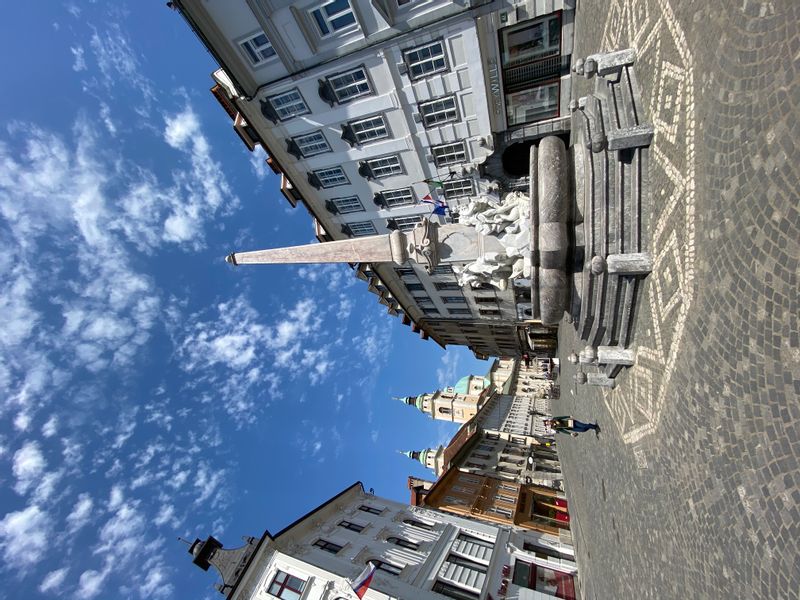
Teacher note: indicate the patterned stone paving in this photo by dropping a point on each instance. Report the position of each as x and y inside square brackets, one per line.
[693, 488]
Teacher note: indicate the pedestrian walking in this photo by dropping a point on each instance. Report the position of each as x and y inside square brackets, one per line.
[571, 426]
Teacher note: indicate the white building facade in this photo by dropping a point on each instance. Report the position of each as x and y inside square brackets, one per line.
[374, 111]
[420, 554]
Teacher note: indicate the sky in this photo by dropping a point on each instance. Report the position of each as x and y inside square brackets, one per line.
[148, 390]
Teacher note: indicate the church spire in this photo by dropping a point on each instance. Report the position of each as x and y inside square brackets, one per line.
[230, 563]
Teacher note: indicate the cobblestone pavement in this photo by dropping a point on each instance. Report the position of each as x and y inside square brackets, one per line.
[693, 488]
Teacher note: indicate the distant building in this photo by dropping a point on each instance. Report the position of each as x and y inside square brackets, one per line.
[372, 112]
[502, 466]
[420, 554]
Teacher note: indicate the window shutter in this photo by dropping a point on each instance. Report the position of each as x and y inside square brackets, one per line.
[268, 111]
[293, 149]
[391, 224]
[346, 230]
[348, 135]
[330, 206]
[314, 181]
[365, 171]
[379, 200]
[326, 92]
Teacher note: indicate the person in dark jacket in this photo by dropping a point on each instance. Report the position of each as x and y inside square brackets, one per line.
[571, 426]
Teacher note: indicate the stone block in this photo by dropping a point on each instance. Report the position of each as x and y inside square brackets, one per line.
[553, 245]
[640, 263]
[600, 380]
[631, 137]
[553, 191]
[615, 355]
[553, 292]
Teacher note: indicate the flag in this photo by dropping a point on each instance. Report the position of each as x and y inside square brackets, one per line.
[435, 183]
[439, 206]
[361, 583]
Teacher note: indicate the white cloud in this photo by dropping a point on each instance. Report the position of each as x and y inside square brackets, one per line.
[53, 580]
[81, 513]
[115, 498]
[91, 583]
[119, 65]
[29, 464]
[79, 63]
[25, 537]
[446, 373]
[50, 428]
[105, 116]
[206, 189]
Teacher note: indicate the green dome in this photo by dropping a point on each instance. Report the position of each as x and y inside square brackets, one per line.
[462, 387]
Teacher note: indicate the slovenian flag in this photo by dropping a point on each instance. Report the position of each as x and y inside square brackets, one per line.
[439, 206]
[361, 583]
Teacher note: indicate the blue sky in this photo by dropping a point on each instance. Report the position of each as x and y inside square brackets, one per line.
[149, 390]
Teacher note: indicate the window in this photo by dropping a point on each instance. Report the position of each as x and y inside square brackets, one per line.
[407, 223]
[458, 188]
[399, 197]
[449, 154]
[455, 559]
[286, 587]
[454, 300]
[351, 526]
[370, 509]
[446, 285]
[289, 104]
[442, 270]
[426, 60]
[258, 49]
[334, 16]
[453, 500]
[360, 229]
[312, 143]
[531, 41]
[485, 299]
[349, 204]
[533, 104]
[476, 541]
[328, 546]
[454, 591]
[489, 312]
[402, 543]
[350, 84]
[462, 489]
[466, 478]
[430, 310]
[385, 166]
[499, 510]
[331, 177]
[418, 524]
[386, 567]
[542, 579]
[415, 287]
[369, 130]
[459, 311]
[438, 111]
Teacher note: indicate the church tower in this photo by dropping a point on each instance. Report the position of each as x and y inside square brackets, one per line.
[231, 564]
[429, 458]
[456, 404]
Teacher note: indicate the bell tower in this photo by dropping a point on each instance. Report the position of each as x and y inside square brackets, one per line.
[231, 564]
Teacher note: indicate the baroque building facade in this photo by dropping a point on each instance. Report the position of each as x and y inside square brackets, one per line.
[502, 465]
[419, 554]
[374, 112]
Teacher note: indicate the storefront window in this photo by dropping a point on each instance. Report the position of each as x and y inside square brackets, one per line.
[530, 41]
[542, 579]
[532, 105]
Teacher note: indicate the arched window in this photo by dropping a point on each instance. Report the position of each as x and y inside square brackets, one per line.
[402, 543]
[444, 410]
[418, 524]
